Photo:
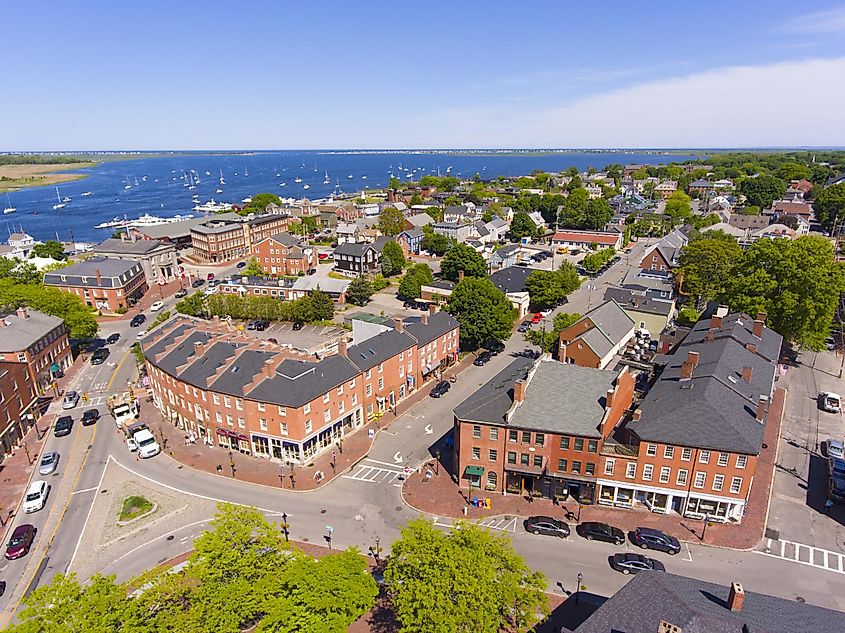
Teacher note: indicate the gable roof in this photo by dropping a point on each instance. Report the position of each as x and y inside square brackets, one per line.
[138, 247]
[420, 219]
[439, 324]
[511, 279]
[285, 239]
[611, 325]
[354, 249]
[491, 401]
[18, 334]
[636, 302]
[670, 245]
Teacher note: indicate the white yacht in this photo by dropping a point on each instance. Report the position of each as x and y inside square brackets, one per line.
[326, 180]
[297, 179]
[9, 208]
[212, 207]
[247, 200]
[306, 186]
[218, 190]
[85, 194]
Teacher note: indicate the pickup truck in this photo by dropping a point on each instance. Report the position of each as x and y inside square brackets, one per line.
[141, 439]
[124, 412]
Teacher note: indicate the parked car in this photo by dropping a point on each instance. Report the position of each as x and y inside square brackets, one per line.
[157, 305]
[20, 541]
[113, 338]
[63, 426]
[141, 334]
[197, 283]
[592, 530]
[538, 316]
[181, 293]
[830, 402]
[71, 400]
[261, 325]
[495, 347]
[649, 538]
[100, 356]
[241, 265]
[137, 320]
[49, 462]
[634, 563]
[297, 325]
[36, 496]
[322, 256]
[546, 525]
[483, 359]
[836, 467]
[440, 389]
[90, 417]
[523, 327]
[835, 448]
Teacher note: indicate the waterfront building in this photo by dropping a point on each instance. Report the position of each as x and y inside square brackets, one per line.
[104, 283]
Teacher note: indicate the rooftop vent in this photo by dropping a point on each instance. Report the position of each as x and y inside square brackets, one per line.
[236, 369]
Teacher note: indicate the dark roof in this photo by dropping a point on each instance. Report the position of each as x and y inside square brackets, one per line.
[439, 324]
[18, 334]
[491, 401]
[298, 382]
[379, 348]
[506, 250]
[138, 247]
[696, 606]
[204, 367]
[740, 327]
[739, 221]
[108, 268]
[352, 248]
[635, 301]
[240, 372]
[443, 284]
[286, 239]
[511, 279]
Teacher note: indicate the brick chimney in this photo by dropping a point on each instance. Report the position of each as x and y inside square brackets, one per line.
[561, 351]
[519, 391]
[432, 308]
[759, 324]
[715, 322]
[609, 399]
[269, 368]
[751, 347]
[398, 324]
[736, 597]
[424, 319]
[460, 276]
[668, 627]
[689, 364]
[746, 374]
[342, 347]
[761, 408]
[22, 313]
[98, 276]
[199, 348]
[636, 415]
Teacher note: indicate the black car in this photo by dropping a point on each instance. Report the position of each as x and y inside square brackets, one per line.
[181, 293]
[99, 356]
[241, 265]
[546, 525]
[261, 325]
[197, 283]
[592, 530]
[63, 426]
[649, 538]
[634, 563]
[112, 339]
[90, 417]
[483, 359]
[297, 326]
[137, 320]
[440, 389]
[495, 348]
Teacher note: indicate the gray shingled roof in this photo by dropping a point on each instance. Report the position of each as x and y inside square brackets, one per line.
[298, 382]
[20, 333]
[612, 325]
[379, 348]
[286, 239]
[138, 247]
[697, 606]
[240, 372]
[352, 248]
[438, 324]
[670, 245]
[108, 268]
[740, 327]
[491, 401]
[511, 279]
[630, 300]
[564, 398]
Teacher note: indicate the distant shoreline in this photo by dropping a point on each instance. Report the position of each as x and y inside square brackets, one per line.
[18, 177]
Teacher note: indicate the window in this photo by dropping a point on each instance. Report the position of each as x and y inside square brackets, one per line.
[576, 466]
[704, 457]
[682, 478]
[512, 436]
[369, 390]
[494, 433]
[369, 373]
[491, 480]
[608, 466]
[308, 426]
[741, 461]
[526, 437]
[476, 431]
[631, 470]
[523, 459]
[579, 444]
[476, 452]
[564, 443]
[539, 439]
[591, 468]
[651, 450]
[492, 454]
[282, 410]
[229, 420]
[736, 485]
[239, 405]
[538, 461]
[241, 423]
[227, 402]
[668, 452]
[380, 384]
[561, 465]
[380, 368]
[326, 397]
[327, 415]
[263, 424]
[648, 471]
[723, 459]
[686, 454]
[355, 398]
[700, 479]
[511, 457]
[340, 390]
[307, 409]
[593, 446]
[718, 482]
[283, 428]
[665, 474]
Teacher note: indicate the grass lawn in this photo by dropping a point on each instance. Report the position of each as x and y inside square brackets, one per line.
[134, 506]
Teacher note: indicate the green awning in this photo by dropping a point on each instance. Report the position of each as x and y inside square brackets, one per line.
[473, 471]
[55, 368]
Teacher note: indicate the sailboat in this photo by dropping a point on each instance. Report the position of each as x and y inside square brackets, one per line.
[191, 184]
[9, 208]
[349, 176]
[222, 180]
[218, 190]
[246, 172]
[59, 204]
[85, 194]
[315, 166]
[128, 184]
[326, 180]
[297, 179]
[306, 186]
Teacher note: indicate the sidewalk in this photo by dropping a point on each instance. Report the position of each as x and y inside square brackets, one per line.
[155, 293]
[440, 496]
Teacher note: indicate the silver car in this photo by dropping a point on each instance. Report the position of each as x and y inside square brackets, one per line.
[49, 462]
[71, 400]
[835, 448]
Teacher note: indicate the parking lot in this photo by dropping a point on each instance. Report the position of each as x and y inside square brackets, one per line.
[311, 339]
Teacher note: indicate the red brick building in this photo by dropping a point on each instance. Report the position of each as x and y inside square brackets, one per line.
[109, 285]
[596, 338]
[665, 254]
[38, 342]
[18, 409]
[234, 391]
[284, 255]
[222, 240]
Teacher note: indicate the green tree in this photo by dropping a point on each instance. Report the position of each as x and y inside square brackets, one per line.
[688, 316]
[462, 258]
[465, 581]
[391, 221]
[678, 207]
[594, 261]
[522, 226]
[50, 248]
[435, 243]
[573, 210]
[707, 266]
[793, 171]
[830, 204]
[322, 307]
[259, 202]
[394, 183]
[762, 190]
[192, 305]
[484, 312]
[253, 269]
[19, 271]
[416, 276]
[79, 318]
[548, 288]
[392, 259]
[547, 341]
[359, 291]
[597, 214]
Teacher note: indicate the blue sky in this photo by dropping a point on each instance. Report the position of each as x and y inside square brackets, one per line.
[273, 75]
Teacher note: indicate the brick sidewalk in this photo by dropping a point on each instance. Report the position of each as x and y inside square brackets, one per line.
[155, 293]
[440, 496]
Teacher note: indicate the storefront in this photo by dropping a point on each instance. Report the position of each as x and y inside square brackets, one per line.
[234, 441]
[662, 501]
[521, 479]
[473, 475]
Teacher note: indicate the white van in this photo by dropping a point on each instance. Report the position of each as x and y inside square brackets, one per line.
[36, 496]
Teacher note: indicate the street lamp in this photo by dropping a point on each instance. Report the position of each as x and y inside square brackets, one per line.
[578, 586]
[376, 551]
[284, 526]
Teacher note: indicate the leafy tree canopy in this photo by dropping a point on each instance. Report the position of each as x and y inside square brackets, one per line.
[830, 204]
[50, 248]
[762, 190]
[79, 318]
[359, 291]
[463, 258]
[522, 226]
[547, 289]
[707, 265]
[391, 221]
[547, 341]
[392, 259]
[260, 201]
[484, 312]
[416, 276]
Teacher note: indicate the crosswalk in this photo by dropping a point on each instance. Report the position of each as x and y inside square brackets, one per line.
[374, 472]
[805, 555]
[503, 523]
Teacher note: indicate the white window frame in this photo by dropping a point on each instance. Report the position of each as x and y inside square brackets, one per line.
[700, 479]
[668, 452]
[718, 482]
[631, 470]
[665, 474]
[651, 450]
[686, 454]
[741, 461]
[736, 485]
[609, 465]
[648, 472]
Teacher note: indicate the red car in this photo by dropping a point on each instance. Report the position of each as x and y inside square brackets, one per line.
[210, 276]
[21, 541]
[537, 317]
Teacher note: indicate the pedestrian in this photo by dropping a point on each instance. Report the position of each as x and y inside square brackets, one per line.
[828, 505]
[334, 457]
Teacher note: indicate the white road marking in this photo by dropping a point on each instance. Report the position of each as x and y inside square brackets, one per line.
[689, 553]
[794, 552]
[76, 492]
[428, 429]
[87, 516]
[374, 474]
[375, 461]
[397, 457]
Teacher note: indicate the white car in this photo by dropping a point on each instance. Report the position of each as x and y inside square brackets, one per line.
[36, 496]
[158, 305]
[142, 334]
[830, 402]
